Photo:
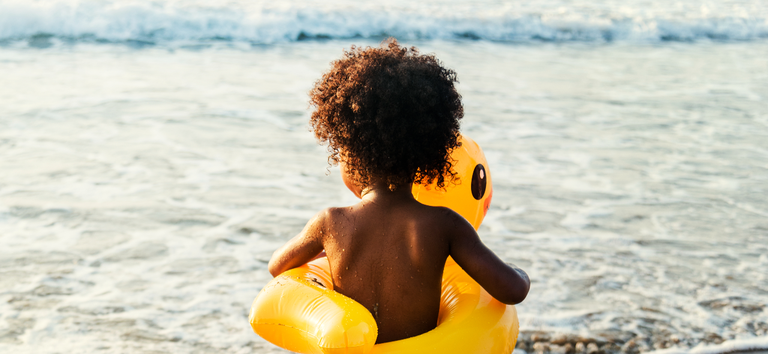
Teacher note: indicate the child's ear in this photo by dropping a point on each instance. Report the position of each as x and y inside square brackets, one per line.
[349, 180]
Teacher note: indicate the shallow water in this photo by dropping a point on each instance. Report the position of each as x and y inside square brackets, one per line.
[142, 190]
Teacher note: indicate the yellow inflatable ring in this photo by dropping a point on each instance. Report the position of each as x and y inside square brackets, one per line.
[299, 311]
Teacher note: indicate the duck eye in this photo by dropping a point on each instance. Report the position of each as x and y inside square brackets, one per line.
[479, 182]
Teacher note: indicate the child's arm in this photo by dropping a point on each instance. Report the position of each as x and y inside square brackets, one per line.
[304, 247]
[505, 282]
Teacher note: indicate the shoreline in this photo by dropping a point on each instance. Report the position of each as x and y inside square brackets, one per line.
[530, 342]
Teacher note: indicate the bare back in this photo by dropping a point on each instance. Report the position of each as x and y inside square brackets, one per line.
[390, 258]
[388, 253]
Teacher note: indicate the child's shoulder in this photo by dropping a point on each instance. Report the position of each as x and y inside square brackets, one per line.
[328, 215]
[334, 217]
[440, 220]
[446, 217]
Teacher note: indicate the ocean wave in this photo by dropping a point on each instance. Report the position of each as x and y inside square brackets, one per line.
[731, 346]
[155, 22]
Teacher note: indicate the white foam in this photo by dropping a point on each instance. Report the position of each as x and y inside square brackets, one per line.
[260, 22]
[730, 346]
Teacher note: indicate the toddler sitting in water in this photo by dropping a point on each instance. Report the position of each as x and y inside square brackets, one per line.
[391, 118]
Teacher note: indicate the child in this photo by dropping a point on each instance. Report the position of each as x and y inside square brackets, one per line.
[391, 118]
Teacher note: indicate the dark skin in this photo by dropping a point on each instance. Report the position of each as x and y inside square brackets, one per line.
[388, 252]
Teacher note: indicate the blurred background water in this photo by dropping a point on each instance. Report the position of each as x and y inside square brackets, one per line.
[154, 154]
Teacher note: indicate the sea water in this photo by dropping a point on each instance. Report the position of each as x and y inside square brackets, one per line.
[154, 154]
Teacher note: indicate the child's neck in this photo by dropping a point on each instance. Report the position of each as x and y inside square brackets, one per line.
[379, 192]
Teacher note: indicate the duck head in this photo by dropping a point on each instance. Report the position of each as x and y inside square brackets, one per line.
[471, 196]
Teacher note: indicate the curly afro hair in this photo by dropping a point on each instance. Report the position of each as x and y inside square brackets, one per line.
[390, 114]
